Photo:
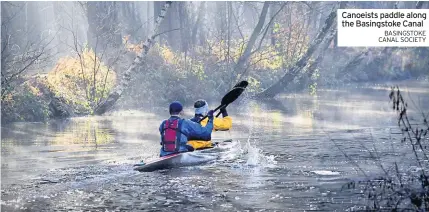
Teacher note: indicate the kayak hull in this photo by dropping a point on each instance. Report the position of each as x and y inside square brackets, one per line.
[178, 160]
[165, 162]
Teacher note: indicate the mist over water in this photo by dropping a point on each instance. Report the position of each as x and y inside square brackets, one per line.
[285, 156]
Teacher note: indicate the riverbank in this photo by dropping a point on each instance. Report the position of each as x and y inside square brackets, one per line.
[36, 101]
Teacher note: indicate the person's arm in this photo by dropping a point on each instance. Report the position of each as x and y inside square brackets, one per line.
[224, 123]
[192, 129]
[196, 130]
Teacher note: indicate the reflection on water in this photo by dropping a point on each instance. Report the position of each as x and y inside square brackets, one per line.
[285, 157]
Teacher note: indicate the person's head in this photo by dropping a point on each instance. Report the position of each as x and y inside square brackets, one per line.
[201, 107]
[175, 108]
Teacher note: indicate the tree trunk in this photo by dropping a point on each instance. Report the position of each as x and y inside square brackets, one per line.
[280, 85]
[197, 23]
[272, 33]
[157, 6]
[171, 37]
[185, 34]
[313, 66]
[242, 61]
[202, 41]
[351, 66]
[118, 90]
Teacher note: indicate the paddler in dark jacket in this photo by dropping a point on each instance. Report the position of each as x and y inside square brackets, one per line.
[219, 124]
[175, 131]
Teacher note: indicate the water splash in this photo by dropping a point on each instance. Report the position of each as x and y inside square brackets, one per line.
[257, 158]
[232, 152]
[246, 156]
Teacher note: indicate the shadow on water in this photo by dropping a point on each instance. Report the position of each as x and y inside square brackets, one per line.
[285, 157]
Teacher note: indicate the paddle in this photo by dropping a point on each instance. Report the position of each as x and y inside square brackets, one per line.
[230, 97]
[241, 85]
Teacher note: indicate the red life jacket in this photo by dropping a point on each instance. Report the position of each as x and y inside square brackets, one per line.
[170, 139]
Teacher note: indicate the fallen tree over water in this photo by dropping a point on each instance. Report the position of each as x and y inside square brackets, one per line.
[295, 71]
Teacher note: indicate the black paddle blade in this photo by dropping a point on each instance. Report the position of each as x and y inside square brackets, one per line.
[234, 93]
[231, 96]
[242, 84]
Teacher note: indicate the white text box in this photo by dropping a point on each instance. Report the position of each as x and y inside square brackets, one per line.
[383, 27]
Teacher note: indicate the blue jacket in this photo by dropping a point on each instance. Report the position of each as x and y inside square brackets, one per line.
[188, 129]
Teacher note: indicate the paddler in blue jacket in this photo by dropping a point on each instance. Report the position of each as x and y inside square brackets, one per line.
[175, 131]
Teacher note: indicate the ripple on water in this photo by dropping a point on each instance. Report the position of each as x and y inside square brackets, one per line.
[326, 172]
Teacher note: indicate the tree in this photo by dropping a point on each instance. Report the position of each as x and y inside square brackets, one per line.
[184, 26]
[20, 50]
[252, 40]
[123, 84]
[293, 72]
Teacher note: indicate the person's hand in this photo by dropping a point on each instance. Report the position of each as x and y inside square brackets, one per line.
[210, 114]
[224, 113]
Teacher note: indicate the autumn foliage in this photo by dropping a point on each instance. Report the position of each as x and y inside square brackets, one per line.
[82, 80]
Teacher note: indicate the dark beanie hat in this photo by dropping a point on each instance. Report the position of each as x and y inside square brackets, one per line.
[175, 107]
